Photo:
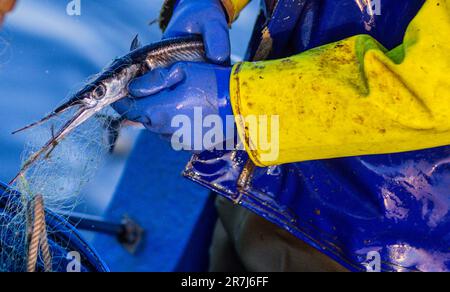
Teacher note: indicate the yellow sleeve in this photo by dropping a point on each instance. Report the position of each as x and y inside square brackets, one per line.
[352, 97]
[234, 7]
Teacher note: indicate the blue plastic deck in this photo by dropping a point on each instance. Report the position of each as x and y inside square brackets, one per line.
[153, 193]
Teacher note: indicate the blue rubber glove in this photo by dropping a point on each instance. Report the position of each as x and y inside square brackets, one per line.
[206, 18]
[163, 96]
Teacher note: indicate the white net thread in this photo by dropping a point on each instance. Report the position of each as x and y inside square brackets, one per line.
[58, 177]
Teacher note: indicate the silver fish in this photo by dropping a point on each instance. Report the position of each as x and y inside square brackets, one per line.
[112, 85]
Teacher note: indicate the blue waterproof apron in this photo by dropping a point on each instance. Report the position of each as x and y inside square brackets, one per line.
[393, 209]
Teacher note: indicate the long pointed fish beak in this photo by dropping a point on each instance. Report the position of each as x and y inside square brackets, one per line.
[60, 110]
[80, 116]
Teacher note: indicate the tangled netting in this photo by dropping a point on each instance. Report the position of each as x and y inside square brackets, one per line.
[58, 178]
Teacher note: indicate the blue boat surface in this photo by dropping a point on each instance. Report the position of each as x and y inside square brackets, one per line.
[64, 239]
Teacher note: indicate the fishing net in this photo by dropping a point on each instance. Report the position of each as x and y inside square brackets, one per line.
[58, 178]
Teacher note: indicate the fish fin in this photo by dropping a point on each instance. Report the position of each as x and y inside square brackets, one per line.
[154, 21]
[136, 43]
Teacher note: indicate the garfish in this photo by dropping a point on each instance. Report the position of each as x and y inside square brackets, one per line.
[111, 85]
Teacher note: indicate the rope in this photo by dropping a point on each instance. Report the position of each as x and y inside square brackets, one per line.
[45, 249]
[39, 239]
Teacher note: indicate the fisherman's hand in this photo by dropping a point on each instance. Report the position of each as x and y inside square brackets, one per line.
[184, 95]
[204, 17]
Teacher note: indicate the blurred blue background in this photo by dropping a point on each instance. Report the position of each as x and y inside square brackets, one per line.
[45, 55]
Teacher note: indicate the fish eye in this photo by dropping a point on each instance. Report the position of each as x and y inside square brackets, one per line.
[99, 92]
